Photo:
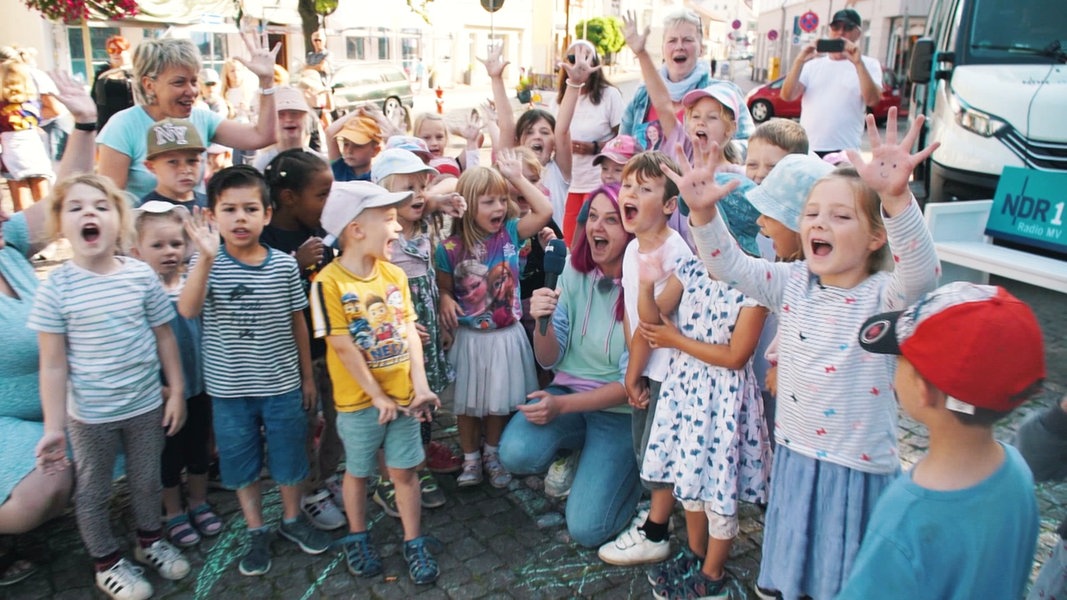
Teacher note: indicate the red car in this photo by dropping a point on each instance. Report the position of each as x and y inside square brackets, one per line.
[766, 101]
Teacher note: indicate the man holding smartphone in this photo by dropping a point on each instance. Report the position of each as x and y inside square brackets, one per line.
[838, 84]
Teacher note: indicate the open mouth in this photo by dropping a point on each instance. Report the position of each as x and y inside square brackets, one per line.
[701, 136]
[599, 243]
[537, 147]
[169, 263]
[821, 248]
[418, 206]
[629, 212]
[680, 58]
[496, 222]
[240, 232]
[90, 233]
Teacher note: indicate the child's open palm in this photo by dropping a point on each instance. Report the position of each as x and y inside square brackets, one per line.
[202, 232]
[891, 163]
[509, 164]
[495, 63]
[697, 183]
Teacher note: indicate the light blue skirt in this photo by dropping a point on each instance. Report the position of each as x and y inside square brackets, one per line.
[815, 520]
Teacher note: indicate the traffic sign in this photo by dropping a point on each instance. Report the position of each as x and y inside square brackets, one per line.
[736, 24]
[492, 5]
[772, 35]
[809, 21]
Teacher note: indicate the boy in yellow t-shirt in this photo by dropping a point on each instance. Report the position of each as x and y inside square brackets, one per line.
[360, 304]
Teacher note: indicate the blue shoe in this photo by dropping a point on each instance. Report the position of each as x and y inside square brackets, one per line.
[422, 566]
[362, 558]
[674, 568]
[693, 586]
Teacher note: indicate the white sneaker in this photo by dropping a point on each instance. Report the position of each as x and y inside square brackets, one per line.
[124, 581]
[321, 511]
[163, 557]
[337, 494]
[631, 547]
[560, 475]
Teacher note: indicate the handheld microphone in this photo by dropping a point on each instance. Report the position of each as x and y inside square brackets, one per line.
[555, 259]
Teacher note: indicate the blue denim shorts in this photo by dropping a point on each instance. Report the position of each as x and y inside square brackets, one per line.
[362, 436]
[237, 424]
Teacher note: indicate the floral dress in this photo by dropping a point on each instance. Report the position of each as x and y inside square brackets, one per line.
[413, 256]
[709, 437]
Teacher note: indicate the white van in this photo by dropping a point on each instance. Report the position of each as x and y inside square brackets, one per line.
[990, 77]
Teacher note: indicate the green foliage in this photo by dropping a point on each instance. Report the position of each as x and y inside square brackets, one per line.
[605, 33]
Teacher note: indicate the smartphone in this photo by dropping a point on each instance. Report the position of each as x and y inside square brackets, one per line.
[835, 45]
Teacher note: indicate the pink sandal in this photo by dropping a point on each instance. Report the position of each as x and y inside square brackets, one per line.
[205, 519]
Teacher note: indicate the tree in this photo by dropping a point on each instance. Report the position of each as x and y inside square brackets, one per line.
[605, 33]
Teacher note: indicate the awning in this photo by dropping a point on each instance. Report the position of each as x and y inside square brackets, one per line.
[192, 12]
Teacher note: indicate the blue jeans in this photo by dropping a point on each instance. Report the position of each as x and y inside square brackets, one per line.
[237, 424]
[606, 485]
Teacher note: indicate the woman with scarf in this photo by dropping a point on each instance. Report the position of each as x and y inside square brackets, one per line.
[682, 71]
[582, 417]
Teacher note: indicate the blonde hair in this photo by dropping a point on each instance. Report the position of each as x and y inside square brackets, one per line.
[143, 218]
[529, 159]
[475, 182]
[152, 57]
[423, 118]
[786, 134]
[104, 184]
[869, 206]
[16, 79]
[390, 180]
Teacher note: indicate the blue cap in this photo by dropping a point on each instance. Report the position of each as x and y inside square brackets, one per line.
[782, 193]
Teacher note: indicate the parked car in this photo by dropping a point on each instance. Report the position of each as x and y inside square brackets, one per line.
[766, 101]
[383, 84]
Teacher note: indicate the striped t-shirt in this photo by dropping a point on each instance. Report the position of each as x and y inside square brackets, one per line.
[248, 344]
[107, 319]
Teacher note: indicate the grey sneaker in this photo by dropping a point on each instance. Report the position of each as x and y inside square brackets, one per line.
[256, 560]
[432, 496]
[321, 511]
[310, 540]
[560, 475]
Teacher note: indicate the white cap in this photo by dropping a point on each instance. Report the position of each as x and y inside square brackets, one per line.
[348, 199]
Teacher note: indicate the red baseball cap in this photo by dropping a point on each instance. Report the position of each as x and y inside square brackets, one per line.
[977, 343]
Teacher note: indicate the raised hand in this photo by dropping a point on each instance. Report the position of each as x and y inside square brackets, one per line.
[471, 128]
[891, 163]
[579, 72]
[509, 164]
[261, 60]
[72, 94]
[202, 232]
[495, 63]
[697, 183]
[635, 39]
[452, 204]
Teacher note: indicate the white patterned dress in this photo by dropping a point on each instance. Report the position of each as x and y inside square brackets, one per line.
[709, 437]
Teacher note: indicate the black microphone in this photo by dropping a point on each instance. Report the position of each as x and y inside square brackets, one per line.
[554, 261]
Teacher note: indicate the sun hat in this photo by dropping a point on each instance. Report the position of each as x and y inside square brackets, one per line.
[361, 129]
[781, 195]
[395, 161]
[348, 199]
[978, 344]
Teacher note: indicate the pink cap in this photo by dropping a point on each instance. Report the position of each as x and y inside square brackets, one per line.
[717, 91]
[620, 150]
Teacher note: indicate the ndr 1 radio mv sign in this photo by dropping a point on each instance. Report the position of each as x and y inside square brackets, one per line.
[1028, 208]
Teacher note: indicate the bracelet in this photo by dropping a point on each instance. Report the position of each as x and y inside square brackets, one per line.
[85, 126]
[268, 91]
[596, 147]
[574, 85]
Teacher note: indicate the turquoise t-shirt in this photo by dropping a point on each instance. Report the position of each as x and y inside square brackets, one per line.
[127, 132]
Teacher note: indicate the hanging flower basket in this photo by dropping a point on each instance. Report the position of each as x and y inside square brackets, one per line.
[70, 11]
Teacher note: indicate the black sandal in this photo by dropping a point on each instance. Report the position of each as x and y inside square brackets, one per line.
[14, 568]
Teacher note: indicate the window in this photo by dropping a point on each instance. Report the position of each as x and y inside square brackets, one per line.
[97, 39]
[355, 48]
[212, 48]
[383, 44]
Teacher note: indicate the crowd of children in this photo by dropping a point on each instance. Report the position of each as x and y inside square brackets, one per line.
[309, 315]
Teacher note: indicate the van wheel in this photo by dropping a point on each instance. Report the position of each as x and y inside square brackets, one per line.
[761, 111]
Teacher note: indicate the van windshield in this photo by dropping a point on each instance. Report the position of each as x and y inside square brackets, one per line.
[1019, 30]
